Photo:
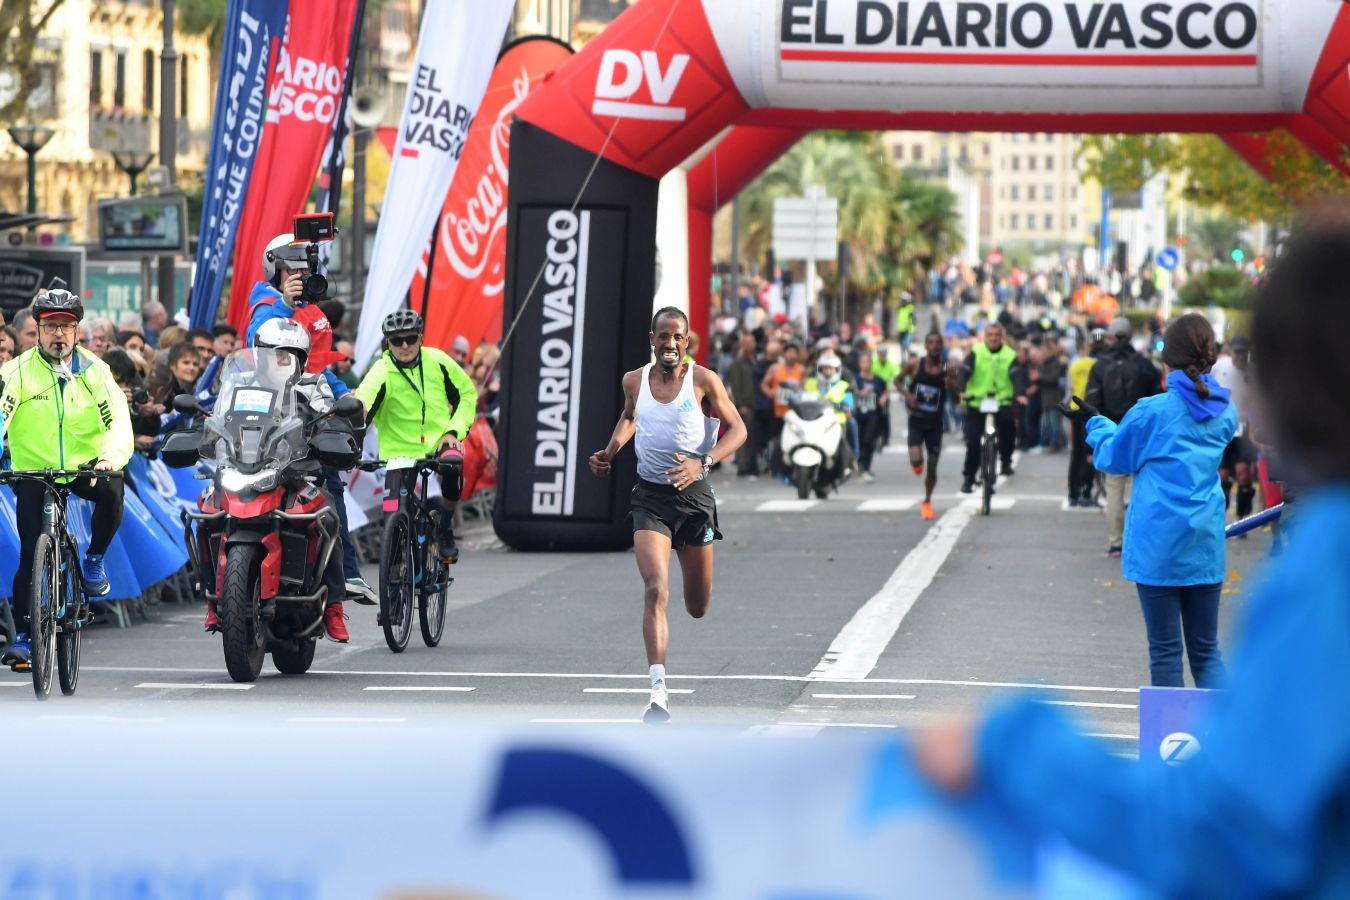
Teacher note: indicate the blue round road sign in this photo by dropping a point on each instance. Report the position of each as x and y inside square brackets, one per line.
[1168, 258]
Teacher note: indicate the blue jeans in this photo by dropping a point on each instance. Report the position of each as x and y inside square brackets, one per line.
[1173, 612]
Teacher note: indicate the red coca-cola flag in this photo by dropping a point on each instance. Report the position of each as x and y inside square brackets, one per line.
[465, 296]
[304, 100]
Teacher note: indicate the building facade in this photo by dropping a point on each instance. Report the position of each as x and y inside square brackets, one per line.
[101, 92]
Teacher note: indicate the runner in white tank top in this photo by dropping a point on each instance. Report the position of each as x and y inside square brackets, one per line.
[672, 503]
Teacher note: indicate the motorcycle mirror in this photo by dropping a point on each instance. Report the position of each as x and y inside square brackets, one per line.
[346, 405]
[186, 404]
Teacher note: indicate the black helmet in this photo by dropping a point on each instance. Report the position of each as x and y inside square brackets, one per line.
[56, 302]
[402, 320]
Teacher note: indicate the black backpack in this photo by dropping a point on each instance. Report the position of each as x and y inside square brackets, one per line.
[1118, 395]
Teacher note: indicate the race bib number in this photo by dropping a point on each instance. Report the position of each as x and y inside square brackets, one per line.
[786, 391]
[926, 398]
[867, 403]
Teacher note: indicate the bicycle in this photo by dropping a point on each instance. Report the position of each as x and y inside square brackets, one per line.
[59, 607]
[408, 568]
[988, 452]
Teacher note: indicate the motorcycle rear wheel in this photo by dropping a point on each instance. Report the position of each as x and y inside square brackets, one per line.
[245, 639]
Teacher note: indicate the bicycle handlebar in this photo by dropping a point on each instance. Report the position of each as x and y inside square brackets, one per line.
[49, 475]
[374, 465]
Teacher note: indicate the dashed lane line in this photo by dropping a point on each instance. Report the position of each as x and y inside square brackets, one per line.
[784, 506]
[1111, 737]
[1085, 705]
[863, 696]
[888, 504]
[421, 688]
[193, 686]
[634, 690]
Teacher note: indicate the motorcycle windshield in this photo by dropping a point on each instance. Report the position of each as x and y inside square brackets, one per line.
[255, 422]
[810, 407]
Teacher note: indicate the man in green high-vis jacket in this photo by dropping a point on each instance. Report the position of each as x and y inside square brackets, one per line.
[988, 374]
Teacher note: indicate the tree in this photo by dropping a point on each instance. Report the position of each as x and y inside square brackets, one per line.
[21, 22]
[1214, 238]
[1123, 162]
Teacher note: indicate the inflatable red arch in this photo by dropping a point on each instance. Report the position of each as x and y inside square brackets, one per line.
[732, 84]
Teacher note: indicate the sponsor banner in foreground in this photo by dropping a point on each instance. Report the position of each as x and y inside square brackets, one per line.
[456, 49]
[469, 270]
[492, 812]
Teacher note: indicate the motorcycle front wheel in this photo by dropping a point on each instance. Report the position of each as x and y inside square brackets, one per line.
[245, 640]
[804, 477]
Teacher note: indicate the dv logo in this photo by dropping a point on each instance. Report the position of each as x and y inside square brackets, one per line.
[645, 843]
[1178, 747]
[622, 74]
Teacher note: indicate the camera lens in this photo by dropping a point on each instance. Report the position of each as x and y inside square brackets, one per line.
[316, 287]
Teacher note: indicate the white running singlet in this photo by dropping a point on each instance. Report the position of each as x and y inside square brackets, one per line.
[664, 429]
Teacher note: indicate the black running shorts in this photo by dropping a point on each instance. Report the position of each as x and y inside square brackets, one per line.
[926, 431]
[1239, 450]
[688, 517]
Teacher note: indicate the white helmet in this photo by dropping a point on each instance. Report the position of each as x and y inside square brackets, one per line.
[829, 361]
[282, 251]
[283, 334]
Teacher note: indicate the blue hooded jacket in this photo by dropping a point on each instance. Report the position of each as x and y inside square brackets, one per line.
[1264, 809]
[1172, 443]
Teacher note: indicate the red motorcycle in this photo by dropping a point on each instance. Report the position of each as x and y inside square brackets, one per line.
[263, 549]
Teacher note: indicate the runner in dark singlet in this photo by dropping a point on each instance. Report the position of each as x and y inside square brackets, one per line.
[925, 382]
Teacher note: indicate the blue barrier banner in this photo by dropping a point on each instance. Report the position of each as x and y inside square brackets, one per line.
[253, 30]
[1173, 724]
[153, 555]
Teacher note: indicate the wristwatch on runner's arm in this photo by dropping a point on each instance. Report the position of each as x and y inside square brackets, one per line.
[707, 461]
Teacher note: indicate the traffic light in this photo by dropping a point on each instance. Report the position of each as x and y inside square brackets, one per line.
[1238, 255]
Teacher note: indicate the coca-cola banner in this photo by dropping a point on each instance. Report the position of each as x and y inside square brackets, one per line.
[303, 102]
[456, 49]
[465, 294]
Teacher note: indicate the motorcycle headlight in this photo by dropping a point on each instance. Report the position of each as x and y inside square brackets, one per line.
[235, 481]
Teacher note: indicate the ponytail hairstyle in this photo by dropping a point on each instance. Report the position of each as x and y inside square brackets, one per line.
[1188, 346]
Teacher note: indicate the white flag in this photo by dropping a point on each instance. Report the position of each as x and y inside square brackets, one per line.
[456, 51]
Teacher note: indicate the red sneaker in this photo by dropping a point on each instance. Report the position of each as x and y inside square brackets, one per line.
[918, 470]
[212, 620]
[333, 623]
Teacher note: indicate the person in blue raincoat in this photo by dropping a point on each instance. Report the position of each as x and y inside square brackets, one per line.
[1264, 809]
[1172, 444]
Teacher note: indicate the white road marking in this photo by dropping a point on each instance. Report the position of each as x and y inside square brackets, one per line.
[199, 686]
[347, 720]
[14, 684]
[634, 690]
[833, 725]
[799, 679]
[782, 506]
[419, 688]
[1090, 705]
[888, 504]
[863, 696]
[855, 650]
[1113, 737]
[94, 718]
[585, 721]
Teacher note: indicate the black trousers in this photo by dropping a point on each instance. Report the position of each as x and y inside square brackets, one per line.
[29, 497]
[869, 437]
[1080, 466]
[1007, 437]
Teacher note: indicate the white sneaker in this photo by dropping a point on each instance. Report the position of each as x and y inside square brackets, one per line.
[361, 592]
[868, 478]
[658, 710]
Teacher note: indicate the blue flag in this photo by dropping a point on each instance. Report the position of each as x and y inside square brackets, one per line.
[253, 30]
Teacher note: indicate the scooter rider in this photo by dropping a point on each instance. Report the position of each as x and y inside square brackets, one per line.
[281, 296]
[829, 385]
[275, 340]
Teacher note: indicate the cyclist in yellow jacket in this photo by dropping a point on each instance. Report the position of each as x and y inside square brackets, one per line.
[62, 409]
[421, 402]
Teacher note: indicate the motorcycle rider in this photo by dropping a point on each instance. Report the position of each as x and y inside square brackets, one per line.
[283, 346]
[419, 398]
[281, 296]
[829, 385]
[62, 409]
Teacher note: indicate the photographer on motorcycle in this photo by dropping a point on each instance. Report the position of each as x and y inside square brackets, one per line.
[282, 296]
[420, 401]
[283, 346]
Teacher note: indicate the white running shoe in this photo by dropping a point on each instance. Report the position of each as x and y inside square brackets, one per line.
[361, 592]
[658, 710]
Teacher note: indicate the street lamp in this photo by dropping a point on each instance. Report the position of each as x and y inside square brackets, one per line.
[31, 139]
[133, 162]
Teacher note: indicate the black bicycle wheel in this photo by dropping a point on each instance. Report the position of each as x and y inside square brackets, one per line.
[431, 608]
[397, 582]
[43, 597]
[988, 461]
[72, 628]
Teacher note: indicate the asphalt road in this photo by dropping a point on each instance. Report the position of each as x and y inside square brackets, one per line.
[850, 612]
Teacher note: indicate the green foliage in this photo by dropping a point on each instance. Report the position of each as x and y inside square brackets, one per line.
[204, 17]
[1220, 286]
[1123, 162]
[896, 225]
[21, 21]
[1214, 239]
